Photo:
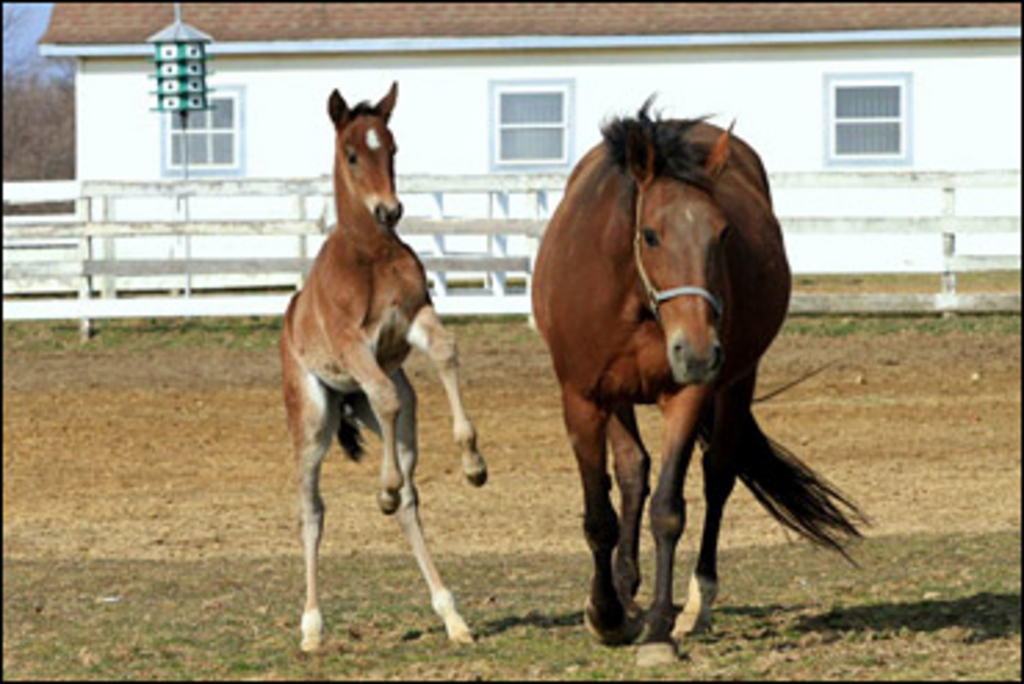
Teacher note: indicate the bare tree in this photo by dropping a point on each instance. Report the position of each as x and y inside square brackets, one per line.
[38, 109]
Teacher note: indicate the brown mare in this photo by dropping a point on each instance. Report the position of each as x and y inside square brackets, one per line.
[662, 278]
[345, 337]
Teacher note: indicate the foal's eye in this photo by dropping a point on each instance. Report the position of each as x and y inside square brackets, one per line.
[650, 237]
[352, 159]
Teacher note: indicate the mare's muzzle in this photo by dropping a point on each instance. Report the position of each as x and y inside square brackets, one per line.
[691, 365]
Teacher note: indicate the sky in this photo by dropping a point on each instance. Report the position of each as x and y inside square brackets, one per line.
[24, 43]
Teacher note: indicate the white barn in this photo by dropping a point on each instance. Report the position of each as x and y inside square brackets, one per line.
[923, 86]
[491, 89]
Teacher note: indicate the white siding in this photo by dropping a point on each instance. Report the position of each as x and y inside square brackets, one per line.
[965, 103]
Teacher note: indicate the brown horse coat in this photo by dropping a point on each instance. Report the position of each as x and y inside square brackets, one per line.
[662, 277]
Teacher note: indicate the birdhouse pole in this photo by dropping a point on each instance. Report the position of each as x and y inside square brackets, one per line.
[180, 59]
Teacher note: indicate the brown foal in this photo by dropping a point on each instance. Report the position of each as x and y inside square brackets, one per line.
[343, 342]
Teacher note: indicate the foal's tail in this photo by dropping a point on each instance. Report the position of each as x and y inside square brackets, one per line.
[349, 437]
[795, 495]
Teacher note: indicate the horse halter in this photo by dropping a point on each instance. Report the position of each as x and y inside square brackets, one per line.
[655, 296]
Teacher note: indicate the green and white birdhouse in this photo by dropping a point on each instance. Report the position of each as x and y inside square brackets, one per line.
[180, 59]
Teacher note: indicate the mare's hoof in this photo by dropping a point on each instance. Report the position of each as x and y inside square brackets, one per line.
[624, 634]
[388, 502]
[657, 654]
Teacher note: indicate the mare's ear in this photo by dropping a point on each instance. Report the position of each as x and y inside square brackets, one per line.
[387, 104]
[719, 155]
[639, 155]
[338, 109]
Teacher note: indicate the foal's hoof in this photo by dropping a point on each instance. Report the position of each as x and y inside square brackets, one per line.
[312, 631]
[625, 633]
[388, 502]
[475, 470]
[657, 654]
[477, 477]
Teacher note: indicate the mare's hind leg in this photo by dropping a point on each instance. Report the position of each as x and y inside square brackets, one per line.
[441, 598]
[727, 420]
[312, 421]
[604, 615]
[632, 471]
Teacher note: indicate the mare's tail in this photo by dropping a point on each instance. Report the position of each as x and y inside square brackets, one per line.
[795, 495]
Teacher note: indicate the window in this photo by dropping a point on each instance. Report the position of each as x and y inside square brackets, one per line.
[212, 139]
[531, 125]
[868, 120]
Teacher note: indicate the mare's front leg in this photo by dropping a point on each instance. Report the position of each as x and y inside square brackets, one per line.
[681, 413]
[729, 428]
[428, 335]
[605, 616]
[632, 471]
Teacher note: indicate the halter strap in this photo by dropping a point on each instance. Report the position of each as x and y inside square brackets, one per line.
[655, 296]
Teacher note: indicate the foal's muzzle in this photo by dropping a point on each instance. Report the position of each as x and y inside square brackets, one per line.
[388, 216]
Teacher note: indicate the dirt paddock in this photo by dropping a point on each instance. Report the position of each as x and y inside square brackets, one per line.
[182, 453]
[179, 453]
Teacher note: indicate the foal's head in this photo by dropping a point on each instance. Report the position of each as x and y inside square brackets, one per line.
[364, 156]
[679, 230]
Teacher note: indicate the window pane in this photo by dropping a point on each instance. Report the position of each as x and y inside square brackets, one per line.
[176, 149]
[223, 113]
[520, 108]
[543, 144]
[198, 149]
[223, 148]
[868, 138]
[198, 120]
[868, 102]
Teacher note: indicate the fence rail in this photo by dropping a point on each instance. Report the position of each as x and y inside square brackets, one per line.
[79, 255]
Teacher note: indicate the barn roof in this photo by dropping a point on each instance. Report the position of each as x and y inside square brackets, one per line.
[127, 23]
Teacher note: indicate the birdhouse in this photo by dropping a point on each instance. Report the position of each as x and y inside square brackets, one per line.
[180, 58]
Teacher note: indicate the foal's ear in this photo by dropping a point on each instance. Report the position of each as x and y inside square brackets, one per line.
[338, 109]
[639, 155]
[387, 105]
[719, 154]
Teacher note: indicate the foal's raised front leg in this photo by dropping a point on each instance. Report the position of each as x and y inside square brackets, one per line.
[383, 397]
[428, 335]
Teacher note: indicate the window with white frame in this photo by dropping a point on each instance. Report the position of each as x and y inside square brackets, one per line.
[869, 119]
[531, 126]
[212, 137]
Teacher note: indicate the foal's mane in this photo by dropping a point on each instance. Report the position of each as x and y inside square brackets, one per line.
[364, 108]
[674, 155]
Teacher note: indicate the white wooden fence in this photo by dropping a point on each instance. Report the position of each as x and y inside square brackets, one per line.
[106, 260]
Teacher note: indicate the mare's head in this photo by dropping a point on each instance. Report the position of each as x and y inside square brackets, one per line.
[364, 156]
[678, 235]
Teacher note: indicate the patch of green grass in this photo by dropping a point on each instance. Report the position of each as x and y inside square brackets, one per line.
[848, 326]
[923, 607]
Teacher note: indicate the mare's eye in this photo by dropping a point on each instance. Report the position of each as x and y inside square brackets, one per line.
[650, 237]
[352, 158]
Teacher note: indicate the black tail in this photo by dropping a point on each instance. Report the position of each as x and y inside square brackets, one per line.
[350, 439]
[796, 496]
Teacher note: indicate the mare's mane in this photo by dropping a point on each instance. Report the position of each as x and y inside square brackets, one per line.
[674, 155]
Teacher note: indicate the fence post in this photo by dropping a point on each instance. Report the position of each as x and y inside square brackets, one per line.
[108, 284]
[303, 241]
[948, 294]
[83, 210]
